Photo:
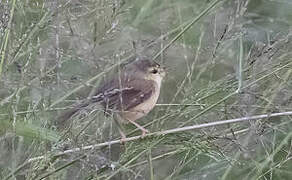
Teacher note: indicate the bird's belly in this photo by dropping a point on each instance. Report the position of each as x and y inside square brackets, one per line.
[142, 109]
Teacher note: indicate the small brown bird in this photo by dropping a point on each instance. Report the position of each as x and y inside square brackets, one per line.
[131, 94]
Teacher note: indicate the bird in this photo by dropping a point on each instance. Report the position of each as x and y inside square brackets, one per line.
[131, 94]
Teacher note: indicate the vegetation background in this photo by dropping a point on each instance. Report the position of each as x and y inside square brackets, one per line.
[225, 59]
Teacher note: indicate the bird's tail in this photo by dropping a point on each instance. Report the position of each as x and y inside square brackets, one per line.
[65, 116]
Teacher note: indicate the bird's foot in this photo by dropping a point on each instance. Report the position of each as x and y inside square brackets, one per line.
[144, 131]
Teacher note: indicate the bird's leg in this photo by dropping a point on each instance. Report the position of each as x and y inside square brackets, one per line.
[120, 129]
[144, 131]
[123, 140]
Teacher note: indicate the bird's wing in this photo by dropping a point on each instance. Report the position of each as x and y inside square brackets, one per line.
[130, 94]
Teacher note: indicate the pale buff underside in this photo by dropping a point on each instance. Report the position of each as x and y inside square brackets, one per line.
[144, 108]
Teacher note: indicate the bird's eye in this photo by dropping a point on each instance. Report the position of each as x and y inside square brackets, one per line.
[154, 71]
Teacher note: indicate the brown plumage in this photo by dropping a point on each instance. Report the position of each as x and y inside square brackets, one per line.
[132, 93]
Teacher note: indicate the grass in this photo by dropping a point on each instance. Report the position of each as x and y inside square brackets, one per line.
[227, 61]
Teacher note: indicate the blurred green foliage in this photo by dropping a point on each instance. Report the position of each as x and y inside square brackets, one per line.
[55, 48]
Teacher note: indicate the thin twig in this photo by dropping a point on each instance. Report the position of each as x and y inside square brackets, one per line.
[240, 64]
[173, 104]
[170, 131]
[188, 26]
[7, 33]
[234, 93]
